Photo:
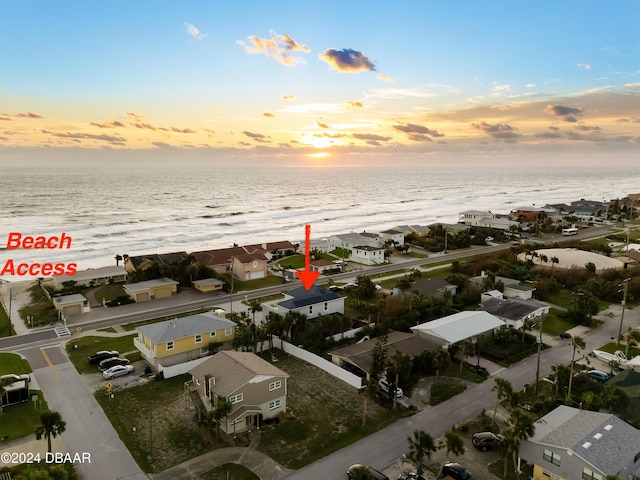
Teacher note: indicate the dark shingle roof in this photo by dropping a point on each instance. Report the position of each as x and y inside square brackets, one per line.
[511, 309]
[302, 297]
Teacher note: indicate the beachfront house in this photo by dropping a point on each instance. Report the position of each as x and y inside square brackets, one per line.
[367, 255]
[68, 305]
[182, 340]
[394, 236]
[151, 289]
[140, 263]
[92, 277]
[246, 263]
[572, 443]
[256, 389]
[486, 219]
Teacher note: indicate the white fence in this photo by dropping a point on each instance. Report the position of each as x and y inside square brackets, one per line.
[180, 368]
[327, 366]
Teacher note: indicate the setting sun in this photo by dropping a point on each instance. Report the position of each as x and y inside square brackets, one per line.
[318, 155]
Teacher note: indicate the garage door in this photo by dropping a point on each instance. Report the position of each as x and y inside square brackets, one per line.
[142, 297]
[72, 310]
[162, 292]
[254, 275]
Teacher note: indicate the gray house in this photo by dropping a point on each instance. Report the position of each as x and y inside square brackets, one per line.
[570, 443]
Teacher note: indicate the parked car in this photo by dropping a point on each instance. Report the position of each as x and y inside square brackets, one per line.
[112, 362]
[10, 378]
[97, 357]
[598, 375]
[117, 371]
[480, 370]
[411, 476]
[565, 335]
[485, 440]
[456, 471]
[376, 474]
[384, 386]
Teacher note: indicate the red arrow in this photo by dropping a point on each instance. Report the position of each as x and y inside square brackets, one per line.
[306, 276]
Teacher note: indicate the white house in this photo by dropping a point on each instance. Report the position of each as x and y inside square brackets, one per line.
[486, 219]
[349, 241]
[93, 277]
[395, 236]
[313, 302]
[367, 255]
[458, 327]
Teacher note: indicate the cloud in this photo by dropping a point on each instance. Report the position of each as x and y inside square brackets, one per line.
[629, 120]
[551, 135]
[86, 136]
[391, 93]
[135, 116]
[385, 78]
[587, 128]
[417, 133]
[288, 97]
[258, 137]
[353, 105]
[564, 111]
[329, 135]
[276, 47]
[27, 115]
[586, 66]
[371, 137]
[146, 126]
[498, 106]
[499, 131]
[6, 118]
[182, 130]
[268, 115]
[322, 125]
[113, 124]
[162, 145]
[347, 60]
[194, 32]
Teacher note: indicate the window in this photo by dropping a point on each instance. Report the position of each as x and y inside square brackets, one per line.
[326, 305]
[228, 331]
[169, 345]
[199, 338]
[204, 350]
[236, 398]
[213, 334]
[588, 474]
[552, 457]
[275, 404]
[275, 385]
[310, 308]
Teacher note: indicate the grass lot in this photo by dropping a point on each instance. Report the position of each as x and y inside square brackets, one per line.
[12, 363]
[443, 392]
[166, 433]
[22, 419]
[90, 345]
[554, 324]
[228, 471]
[4, 324]
[294, 261]
[109, 292]
[241, 285]
[40, 307]
[324, 414]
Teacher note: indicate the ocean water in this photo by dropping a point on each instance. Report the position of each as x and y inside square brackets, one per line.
[137, 210]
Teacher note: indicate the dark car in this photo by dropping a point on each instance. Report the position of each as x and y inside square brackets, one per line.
[565, 335]
[376, 474]
[598, 375]
[480, 370]
[112, 362]
[456, 471]
[485, 440]
[97, 357]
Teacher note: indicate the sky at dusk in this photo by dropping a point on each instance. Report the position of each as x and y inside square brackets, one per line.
[335, 83]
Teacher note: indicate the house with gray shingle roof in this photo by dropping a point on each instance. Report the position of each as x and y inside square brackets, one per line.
[514, 312]
[572, 443]
[256, 388]
[181, 340]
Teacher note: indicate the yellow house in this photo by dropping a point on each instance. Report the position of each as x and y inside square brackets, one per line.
[208, 285]
[68, 305]
[145, 291]
[181, 340]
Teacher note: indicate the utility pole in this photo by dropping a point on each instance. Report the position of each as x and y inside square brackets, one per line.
[10, 299]
[624, 302]
[535, 385]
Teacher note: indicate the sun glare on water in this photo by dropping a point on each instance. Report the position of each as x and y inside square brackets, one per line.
[318, 155]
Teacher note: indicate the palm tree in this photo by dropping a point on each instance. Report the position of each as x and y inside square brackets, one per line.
[467, 348]
[519, 427]
[360, 473]
[440, 361]
[51, 425]
[369, 390]
[576, 343]
[453, 443]
[554, 260]
[221, 409]
[503, 389]
[254, 307]
[401, 362]
[420, 445]
[526, 325]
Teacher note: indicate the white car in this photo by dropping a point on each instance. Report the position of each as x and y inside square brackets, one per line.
[117, 371]
[384, 386]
